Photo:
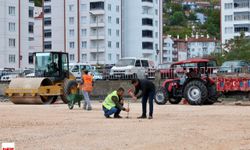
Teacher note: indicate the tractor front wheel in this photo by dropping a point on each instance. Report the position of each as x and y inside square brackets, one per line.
[161, 96]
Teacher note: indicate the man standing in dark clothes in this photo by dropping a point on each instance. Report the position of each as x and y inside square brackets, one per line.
[148, 92]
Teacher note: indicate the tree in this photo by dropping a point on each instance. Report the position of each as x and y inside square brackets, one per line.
[178, 18]
[38, 3]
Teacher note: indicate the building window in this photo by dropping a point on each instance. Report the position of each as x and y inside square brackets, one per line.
[146, 10]
[47, 0]
[228, 5]
[71, 7]
[31, 58]
[156, 12]
[156, 47]
[12, 42]
[241, 28]
[109, 32]
[117, 20]
[31, 12]
[84, 57]
[83, 19]
[84, 44]
[109, 19]
[71, 57]
[12, 27]
[241, 4]
[12, 58]
[151, 1]
[84, 32]
[83, 7]
[47, 45]
[147, 45]
[117, 57]
[47, 21]
[117, 45]
[242, 16]
[147, 21]
[71, 32]
[228, 17]
[47, 9]
[117, 8]
[147, 33]
[156, 23]
[71, 20]
[12, 10]
[109, 44]
[110, 57]
[31, 27]
[31, 39]
[47, 33]
[71, 45]
[109, 7]
[97, 5]
[117, 33]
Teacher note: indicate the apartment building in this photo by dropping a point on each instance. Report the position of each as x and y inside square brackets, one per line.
[201, 46]
[142, 29]
[235, 18]
[168, 49]
[16, 33]
[180, 49]
[89, 30]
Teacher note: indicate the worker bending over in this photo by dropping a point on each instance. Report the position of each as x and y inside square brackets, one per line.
[113, 104]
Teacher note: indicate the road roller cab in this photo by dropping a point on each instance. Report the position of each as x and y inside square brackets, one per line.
[52, 79]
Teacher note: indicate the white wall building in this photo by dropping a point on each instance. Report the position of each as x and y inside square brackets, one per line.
[142, 28]
[201, 46]
[16, 32]
[90, 31]
[167, 51]
[235, 18]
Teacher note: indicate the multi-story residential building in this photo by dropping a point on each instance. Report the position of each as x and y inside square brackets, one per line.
[180, 49]
[16, 33]
[201, 46]
[168, 49]
[235, 18]
[90, 31]
[142, 29]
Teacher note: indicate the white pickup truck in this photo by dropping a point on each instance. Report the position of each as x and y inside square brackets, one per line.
[131, 67]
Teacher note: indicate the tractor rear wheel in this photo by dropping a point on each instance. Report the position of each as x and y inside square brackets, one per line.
[195, 92]
[161, 96]
[175, 100]
[213, 96]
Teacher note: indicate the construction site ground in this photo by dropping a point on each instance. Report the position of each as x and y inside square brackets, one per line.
[48, 127]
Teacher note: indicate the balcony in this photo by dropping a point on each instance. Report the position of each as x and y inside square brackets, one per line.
[93, 49]
[95, 37]
[97, 8]
[148, 3]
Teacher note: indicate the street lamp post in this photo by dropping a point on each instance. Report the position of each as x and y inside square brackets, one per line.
[97, 36]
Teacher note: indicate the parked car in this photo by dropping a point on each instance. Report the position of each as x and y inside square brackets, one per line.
[97, 75]
[234, 66]
[76, 69]
[9, 77]
[131, 68]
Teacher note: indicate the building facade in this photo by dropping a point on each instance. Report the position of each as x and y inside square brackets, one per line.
[235, 18]
[16, 33]
[142, 29]
[168, 50]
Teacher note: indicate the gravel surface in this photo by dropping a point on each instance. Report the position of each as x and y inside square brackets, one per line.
[185, 127]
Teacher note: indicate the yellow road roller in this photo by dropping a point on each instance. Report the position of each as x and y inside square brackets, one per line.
[51, 80]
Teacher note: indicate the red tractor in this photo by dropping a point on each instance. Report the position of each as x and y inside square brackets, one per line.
[194, 85]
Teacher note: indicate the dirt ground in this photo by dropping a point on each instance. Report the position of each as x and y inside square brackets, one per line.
[185, 127]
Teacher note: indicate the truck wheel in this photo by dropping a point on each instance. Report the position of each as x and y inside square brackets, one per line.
[195, 92]
[161, 96]
[175, 100]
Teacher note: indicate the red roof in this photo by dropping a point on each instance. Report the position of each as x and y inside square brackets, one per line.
[191, 60]
[201, 39]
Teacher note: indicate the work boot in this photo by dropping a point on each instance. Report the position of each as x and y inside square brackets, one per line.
[84, 106]
[117, 116]
[89, 108]
[142, 117]
[150, 117]
[107, 116]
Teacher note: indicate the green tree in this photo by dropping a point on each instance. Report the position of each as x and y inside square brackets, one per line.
[38, 3]
[178, 18]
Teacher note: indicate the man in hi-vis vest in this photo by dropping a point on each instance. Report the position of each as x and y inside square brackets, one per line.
[87, 87]
[113, 105]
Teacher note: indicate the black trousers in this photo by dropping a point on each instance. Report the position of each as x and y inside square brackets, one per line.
[148, 96]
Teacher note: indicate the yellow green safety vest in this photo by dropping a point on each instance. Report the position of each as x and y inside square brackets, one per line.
[108, 103]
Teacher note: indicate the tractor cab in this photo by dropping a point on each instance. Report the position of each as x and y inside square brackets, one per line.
[191, 81]
[53, 65]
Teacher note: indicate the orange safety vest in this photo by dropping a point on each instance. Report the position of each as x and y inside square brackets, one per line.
[87, 83]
